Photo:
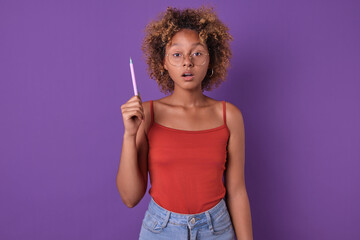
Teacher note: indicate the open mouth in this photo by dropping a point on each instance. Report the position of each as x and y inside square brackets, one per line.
[187, 75]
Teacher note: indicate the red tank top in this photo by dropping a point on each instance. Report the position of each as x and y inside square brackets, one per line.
[186, 167]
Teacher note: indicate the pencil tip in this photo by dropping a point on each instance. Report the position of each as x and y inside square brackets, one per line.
[131, 60]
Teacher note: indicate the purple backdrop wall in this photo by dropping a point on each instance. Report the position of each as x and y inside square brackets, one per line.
[64, 75]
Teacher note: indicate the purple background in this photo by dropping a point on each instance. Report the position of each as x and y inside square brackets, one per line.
[64, 74]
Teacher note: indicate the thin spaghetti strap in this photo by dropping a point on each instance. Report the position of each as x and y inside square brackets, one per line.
[224, 111]
[152, 116]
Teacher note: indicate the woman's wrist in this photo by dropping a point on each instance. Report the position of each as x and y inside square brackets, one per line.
[129, 136]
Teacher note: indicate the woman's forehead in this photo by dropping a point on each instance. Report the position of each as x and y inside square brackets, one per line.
[186, 38]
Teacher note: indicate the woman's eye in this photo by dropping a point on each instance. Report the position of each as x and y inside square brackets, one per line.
[176, 54]
[197, 54]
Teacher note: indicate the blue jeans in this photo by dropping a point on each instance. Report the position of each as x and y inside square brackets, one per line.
[160, 223]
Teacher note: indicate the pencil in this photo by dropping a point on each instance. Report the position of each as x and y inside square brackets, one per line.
[133, 77]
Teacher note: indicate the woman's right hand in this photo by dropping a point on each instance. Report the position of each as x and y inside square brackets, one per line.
[133, 114]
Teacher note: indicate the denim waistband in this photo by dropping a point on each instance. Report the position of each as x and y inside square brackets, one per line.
[186, 219]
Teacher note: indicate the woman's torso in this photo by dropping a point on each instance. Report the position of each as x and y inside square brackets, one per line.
[186, 165]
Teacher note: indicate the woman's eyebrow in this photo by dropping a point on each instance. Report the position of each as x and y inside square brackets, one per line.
[179, 44]
[199, 43]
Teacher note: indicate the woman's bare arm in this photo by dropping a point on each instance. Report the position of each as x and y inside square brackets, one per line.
[131, 179]
[237, 198]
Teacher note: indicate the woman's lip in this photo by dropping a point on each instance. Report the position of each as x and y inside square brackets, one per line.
[188, 78]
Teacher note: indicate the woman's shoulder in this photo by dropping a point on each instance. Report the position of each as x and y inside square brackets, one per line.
[149, 111]
[232, 109]
[233, 114]
[156, 101]
[234, 117]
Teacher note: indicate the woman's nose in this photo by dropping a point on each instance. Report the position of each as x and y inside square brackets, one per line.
[187, 61]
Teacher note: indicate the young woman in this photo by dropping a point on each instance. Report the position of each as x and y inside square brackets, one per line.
[186, 140]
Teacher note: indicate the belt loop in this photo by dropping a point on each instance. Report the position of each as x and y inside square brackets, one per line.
[209, 220]
[166, 219]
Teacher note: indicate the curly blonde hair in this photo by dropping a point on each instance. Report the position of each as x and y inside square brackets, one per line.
[211, 30]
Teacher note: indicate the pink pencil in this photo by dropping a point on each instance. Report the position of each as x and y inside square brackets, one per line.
[133, 77]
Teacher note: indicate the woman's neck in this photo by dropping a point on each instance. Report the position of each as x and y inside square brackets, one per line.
[187, 98]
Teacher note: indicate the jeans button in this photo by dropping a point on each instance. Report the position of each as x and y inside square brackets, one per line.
[192, 220]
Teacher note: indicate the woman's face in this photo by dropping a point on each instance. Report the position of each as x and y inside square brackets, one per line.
[187, 73]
